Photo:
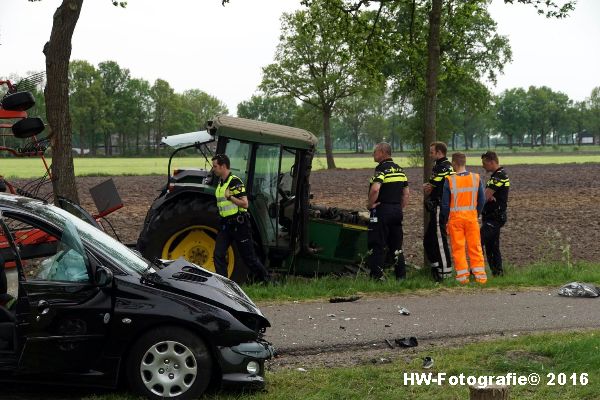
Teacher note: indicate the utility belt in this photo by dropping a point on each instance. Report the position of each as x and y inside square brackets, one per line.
[496, 215]
[432, 204]
[239, 218]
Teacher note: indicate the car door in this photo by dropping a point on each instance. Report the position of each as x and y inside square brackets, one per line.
[62, 316]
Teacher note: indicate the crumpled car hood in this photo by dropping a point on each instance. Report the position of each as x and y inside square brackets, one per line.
[181, 276]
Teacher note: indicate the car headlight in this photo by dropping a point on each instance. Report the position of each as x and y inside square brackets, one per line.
[253, 368]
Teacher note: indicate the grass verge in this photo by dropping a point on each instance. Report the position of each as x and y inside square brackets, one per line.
[566, 353]
[537, 275]
[564, 356]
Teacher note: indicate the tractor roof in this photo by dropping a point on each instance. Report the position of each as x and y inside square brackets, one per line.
[262, 132]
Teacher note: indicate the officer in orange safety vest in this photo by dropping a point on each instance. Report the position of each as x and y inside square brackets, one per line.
[463, 199]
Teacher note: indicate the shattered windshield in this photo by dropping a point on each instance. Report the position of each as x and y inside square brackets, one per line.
[112, 249]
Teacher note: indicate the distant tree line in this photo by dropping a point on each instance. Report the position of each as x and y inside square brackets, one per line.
[113, 113]
[537, 116]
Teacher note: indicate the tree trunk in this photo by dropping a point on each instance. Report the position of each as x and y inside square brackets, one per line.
[543, 137]
[431, 79]
[327, 136]
[491, 392]
[137, 140]
[58, 52]
[433, 66]
[81, 138]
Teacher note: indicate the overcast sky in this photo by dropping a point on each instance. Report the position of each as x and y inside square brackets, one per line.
[221, 50]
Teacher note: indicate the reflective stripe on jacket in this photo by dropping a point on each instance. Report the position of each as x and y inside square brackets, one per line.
[226, 207]
[463, 193]
[463, 196]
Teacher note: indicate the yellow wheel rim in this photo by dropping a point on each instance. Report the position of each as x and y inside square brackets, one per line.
[196, 244]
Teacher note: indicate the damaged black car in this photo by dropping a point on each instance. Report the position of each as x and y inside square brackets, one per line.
[80, 308]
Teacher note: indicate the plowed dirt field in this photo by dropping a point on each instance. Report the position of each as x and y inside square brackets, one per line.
[554, 210]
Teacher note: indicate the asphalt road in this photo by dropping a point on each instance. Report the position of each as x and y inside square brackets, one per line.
[372, 320]
[320, 325]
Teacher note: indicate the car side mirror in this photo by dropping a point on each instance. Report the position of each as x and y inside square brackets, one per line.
[103, 276]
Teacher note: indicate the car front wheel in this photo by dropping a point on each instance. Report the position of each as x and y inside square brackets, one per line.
[169, 363]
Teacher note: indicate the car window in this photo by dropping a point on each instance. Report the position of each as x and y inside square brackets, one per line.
[47, 254]
[111, 249]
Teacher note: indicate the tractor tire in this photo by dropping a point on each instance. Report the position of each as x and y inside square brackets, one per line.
[27, 127]
[188, 227]
[20, 101]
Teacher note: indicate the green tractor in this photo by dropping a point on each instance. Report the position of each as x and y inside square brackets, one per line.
[274, 161]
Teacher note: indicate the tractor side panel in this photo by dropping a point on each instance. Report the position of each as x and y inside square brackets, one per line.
[338, 245]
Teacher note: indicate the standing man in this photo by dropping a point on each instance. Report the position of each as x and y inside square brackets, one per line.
[462, 200]
[494, 212]
[435, 241]
[388, 195]
[235, 223]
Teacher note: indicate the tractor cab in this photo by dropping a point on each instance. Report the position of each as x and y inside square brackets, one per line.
[274, 161]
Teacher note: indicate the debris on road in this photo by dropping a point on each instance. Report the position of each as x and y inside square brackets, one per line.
[389, 343]
[579, 289]
[407, 342]
[343, 299]
[427, 362]
[403, 310]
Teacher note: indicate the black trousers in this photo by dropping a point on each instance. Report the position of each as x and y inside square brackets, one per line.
[239, 232]
[435, 243]
[490, 241]
[386, 232]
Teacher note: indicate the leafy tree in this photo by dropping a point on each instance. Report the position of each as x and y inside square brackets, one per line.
[137, 111]
[163, 97]
[577, 116]
[512, 112]
[316, 61]
[86, 98]
[309, 118]
[114, 81]
[594, 113]
[202, 106]
[356, 110]
[275, 109]
[558, 115]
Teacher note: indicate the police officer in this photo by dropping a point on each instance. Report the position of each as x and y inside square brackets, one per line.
[235, 223]
[435, 240]
[494, 211]
[388, 195]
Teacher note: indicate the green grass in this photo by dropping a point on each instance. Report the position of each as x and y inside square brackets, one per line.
[557, 353]
[537, 275]
[542, 354]
[14, 168]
